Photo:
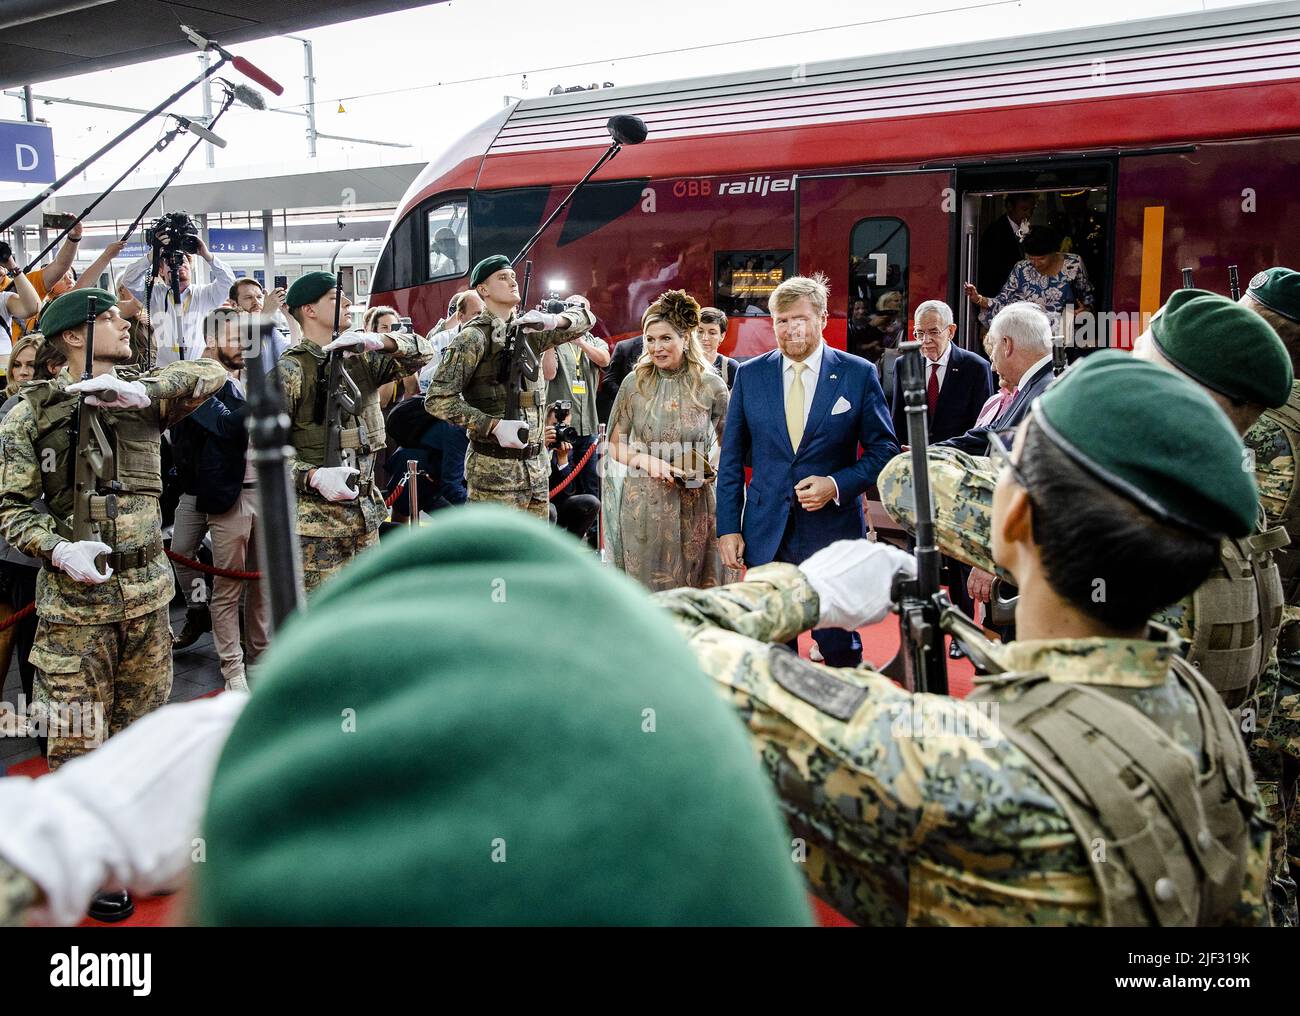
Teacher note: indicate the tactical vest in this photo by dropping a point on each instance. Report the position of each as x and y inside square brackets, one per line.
[309, 432]
[1167, 844]
[136, 444]
[1288, 561]
[484, 390]
[1237, 613]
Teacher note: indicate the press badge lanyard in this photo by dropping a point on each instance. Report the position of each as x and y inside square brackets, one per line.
[579, 383]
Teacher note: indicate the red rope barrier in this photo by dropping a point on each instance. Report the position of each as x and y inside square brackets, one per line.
[582, 462]
[225, 573]
[12, 620]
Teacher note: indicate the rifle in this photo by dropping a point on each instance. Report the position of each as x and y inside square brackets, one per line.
[1187, 279]
[95, 464]
[920, 602]
[270, 450]
[519, 366]
[342, 396]
[1234, 283]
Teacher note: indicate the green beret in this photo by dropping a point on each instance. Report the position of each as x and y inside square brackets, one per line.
[487, 267]
[1225, 346]
[484, 769]
[308, 289]
[70, 309]
[1154, 437]
[1278, 289]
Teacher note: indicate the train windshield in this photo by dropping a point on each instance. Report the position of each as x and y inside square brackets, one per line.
[447, 229]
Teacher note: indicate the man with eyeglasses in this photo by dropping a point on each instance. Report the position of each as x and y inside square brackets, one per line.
[957, 384]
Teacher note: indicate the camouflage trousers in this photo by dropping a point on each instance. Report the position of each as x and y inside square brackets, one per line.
[322, 556]
[95, 679]
[1275, 756]
[538, 505]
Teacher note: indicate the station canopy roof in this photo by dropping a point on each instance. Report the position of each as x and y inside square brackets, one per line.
[46, 39]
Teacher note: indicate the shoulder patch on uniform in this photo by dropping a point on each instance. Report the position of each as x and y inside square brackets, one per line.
[814, 684]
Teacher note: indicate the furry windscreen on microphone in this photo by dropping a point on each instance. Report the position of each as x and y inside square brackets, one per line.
[678, 308]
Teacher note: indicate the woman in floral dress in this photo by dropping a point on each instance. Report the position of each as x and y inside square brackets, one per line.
[1048, 277]
[664, 432]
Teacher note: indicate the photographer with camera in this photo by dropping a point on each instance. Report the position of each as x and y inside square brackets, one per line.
[19, 300]
[176, 307]
[571, 510]
[576, 378]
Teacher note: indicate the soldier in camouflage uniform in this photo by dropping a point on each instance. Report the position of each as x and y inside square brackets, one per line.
[1275, 750]
[335, 521]
[1065, 790]
[103, 639]
[467, 390]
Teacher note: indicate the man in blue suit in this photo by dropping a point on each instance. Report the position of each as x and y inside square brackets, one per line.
[799, 414]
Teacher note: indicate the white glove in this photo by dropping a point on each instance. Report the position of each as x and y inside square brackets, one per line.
[507, 433]
[124, 815]
[77, 560]
[127, 394]
[853, 579]
[539, 321]
[355, 342]
[332, 482]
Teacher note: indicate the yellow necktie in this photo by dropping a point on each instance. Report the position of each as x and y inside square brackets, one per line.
[794, 406]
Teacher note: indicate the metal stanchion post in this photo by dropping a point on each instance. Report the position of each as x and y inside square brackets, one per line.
[602, 451]
[413, 491]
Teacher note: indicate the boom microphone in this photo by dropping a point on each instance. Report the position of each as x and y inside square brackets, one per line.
[243, 66]
[627, 130]
[249, 96]
[198, 130]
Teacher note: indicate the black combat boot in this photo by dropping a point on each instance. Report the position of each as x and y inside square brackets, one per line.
[197, 622]
[111, 907]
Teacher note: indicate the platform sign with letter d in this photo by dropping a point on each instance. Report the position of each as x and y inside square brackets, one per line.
[26, 152]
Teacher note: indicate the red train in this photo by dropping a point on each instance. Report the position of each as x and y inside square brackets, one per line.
[1153, 145]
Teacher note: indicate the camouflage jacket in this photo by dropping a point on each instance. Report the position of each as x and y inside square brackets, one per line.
[962, 488]
[916, 809]
[18, 895]
[1274, 461]
[177, 390]
[445, 400]
[316, 516]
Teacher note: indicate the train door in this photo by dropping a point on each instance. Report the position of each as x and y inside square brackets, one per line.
[1071, 205]
[884, 240]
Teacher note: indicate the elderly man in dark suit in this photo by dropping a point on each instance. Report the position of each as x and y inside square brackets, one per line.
[1020, 340]
[958, 383]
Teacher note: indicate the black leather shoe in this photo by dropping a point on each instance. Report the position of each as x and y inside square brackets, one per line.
[111, 907]
[197, 622]
[955, 651]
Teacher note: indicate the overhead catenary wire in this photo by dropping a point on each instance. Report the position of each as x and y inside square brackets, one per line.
[677, 50]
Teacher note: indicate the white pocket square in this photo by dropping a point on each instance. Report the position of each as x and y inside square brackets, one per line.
[841, 406]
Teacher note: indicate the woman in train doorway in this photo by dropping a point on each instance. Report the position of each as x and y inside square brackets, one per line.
[1047, 276]
[665, 429]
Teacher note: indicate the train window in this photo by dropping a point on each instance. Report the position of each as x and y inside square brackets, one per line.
[363, 281]
[401, 265]
[878, 312]
[743, 280]
[447, 227]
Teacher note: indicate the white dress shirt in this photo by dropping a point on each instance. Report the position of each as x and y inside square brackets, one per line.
[943, 365]
[814, 365]
[179, 324]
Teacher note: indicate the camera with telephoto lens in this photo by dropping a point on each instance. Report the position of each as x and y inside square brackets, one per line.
[553, 304]
[564, 433]
[173, 233]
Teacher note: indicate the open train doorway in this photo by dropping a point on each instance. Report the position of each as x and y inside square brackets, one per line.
[1067, 206]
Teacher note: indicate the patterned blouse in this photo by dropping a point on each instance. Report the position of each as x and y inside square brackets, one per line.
[1053, 293]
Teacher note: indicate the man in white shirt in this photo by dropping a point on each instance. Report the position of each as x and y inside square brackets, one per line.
[178, 325]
